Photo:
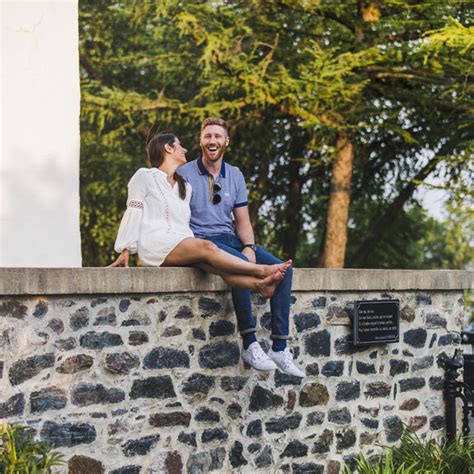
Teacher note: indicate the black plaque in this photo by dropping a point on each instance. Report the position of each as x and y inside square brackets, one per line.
[376, 322]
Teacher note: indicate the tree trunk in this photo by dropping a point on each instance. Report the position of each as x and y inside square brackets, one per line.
[259, 190]
[293, 211]
[320, 257]
[339, 201]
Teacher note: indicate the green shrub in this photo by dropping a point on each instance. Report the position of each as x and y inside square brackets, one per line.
[416, 456]
[19, 454]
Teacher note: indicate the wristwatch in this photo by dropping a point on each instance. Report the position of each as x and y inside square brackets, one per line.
[250, 246]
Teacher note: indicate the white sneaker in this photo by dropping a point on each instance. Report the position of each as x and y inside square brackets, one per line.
[284, 361]
[256, 357]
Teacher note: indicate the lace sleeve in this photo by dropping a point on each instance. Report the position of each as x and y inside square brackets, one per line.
[134, 203]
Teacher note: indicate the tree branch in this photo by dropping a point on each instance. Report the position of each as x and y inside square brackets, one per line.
[405, 73]
[91, 72]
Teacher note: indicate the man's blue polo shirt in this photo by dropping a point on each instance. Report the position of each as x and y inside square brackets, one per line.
[208, 219]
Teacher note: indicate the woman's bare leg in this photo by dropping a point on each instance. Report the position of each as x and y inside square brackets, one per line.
[263, 286]
[192, 251]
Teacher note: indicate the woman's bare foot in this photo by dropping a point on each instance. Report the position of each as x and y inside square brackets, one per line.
[283, 267]
[268, 285]
[270, 269]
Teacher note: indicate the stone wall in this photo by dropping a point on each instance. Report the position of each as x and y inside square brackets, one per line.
[152, 381]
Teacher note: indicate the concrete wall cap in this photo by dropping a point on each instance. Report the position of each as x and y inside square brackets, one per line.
[69, 281]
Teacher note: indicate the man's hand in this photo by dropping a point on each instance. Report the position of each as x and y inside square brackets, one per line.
[249, 253]
[122, 260]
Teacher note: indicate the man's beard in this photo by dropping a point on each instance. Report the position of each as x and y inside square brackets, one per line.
[217, 157]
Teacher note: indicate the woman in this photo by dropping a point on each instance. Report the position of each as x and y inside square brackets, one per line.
[156, 225]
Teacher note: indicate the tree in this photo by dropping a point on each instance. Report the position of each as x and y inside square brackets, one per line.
[308, 89]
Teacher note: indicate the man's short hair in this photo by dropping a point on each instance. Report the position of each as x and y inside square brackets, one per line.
[214, 121]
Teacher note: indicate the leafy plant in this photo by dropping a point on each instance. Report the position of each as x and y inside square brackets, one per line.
[384, 466]
[19, 454]
[416, 456]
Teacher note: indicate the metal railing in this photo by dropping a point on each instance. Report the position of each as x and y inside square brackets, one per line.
[455, 389]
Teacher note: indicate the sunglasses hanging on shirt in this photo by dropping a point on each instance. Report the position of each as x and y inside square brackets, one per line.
[216, 197]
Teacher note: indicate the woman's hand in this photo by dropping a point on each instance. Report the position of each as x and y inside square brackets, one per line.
[122, 260]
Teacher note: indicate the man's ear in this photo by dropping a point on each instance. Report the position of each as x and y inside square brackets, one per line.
[227, 141]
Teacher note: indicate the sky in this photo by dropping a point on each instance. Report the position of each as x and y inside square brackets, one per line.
[433, 201]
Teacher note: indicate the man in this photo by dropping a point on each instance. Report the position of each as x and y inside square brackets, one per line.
[220, 192]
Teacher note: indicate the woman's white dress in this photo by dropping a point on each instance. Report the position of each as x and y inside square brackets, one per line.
[156, 219]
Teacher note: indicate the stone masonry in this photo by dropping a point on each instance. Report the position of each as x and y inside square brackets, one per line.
[154, 383]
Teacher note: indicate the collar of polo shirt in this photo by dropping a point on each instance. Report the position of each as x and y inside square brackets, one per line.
[203, 171]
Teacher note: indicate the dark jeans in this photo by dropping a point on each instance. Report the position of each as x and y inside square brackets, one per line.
[280, 301]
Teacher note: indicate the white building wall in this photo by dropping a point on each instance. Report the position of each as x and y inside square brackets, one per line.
[39, 161]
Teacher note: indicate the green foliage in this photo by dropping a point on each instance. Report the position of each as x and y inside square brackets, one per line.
[413, 240]
[450, 245]
[416, 456]
[453, 35]
[288, 76]
[19, 454]
[384, 466]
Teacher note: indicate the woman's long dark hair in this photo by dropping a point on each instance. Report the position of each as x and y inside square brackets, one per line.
[155, 149]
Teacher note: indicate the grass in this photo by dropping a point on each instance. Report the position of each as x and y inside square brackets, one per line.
[19, 454]
[416, 456]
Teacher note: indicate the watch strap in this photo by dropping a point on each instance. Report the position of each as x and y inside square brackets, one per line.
[251, 246]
